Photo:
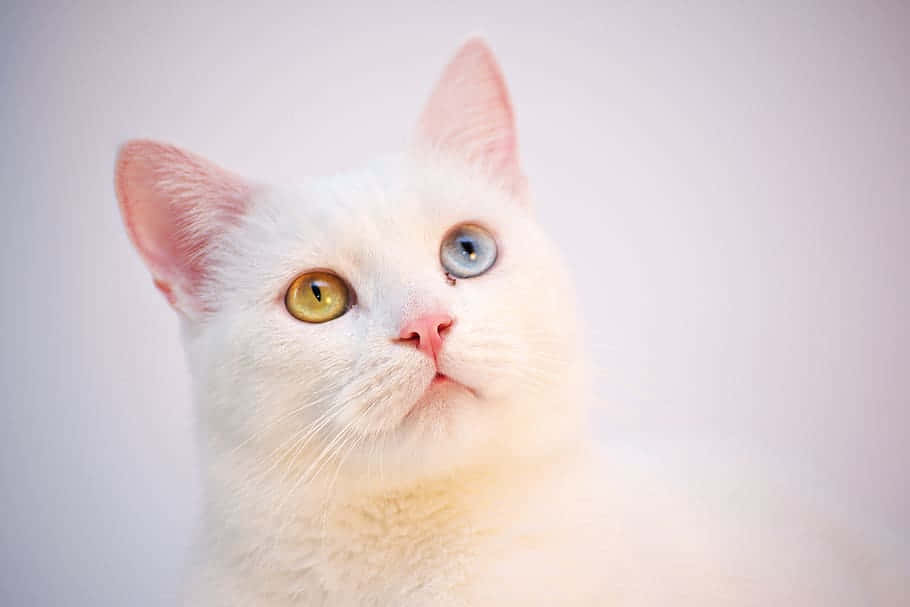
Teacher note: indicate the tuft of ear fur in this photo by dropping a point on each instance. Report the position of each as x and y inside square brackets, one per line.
[469, 114]
[174, 204]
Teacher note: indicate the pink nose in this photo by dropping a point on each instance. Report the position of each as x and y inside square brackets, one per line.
[427, 330]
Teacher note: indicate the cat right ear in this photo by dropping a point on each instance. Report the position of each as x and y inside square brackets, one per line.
[469, 114]
[174, 205]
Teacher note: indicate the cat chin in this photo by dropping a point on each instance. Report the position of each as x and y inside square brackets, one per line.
[453, 430]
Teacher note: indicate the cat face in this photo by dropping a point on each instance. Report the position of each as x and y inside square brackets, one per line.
[405, 319]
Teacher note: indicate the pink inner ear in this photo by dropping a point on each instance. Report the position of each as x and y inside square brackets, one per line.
[173, 204]
[469, 113]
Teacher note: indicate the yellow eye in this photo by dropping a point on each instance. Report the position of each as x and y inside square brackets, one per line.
[317, 297]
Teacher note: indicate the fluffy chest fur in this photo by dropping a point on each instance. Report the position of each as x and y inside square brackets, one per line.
[581, 528]
[467, 539]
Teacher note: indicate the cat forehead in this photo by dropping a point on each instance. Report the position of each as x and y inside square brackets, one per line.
[377, 227]
[396, 198]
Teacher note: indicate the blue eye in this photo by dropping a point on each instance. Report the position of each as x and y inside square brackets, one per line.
[467, 250]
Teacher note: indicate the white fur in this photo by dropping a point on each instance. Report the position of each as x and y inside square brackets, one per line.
[499, 500]
[323, 488]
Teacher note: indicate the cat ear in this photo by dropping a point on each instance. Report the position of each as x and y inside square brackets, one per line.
[469, 114]
[174, 204]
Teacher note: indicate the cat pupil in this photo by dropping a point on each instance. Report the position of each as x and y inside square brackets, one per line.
[468, 247]
[317, 293]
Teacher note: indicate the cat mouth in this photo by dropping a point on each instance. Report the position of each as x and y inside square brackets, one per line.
[441, 379]
[436, 392]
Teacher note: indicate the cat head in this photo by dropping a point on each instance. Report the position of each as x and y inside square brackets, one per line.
[405, 319]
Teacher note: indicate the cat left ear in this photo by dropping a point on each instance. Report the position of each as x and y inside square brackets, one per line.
[469, 114]
[175, 205]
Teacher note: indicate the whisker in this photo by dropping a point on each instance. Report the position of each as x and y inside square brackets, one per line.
[279, 419]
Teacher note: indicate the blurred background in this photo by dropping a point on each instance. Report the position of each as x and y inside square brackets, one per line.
[731, 185]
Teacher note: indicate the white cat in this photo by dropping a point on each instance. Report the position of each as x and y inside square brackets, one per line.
[391, 397]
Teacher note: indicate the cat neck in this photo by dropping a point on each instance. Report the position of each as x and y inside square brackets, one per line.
[479, 491]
